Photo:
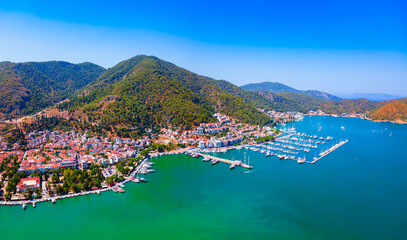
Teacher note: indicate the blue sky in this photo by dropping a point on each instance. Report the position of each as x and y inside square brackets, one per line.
[340, 47]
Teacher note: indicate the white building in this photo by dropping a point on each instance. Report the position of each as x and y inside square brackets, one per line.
[202, 145]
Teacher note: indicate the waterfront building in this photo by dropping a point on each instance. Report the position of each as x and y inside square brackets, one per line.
[28, 183]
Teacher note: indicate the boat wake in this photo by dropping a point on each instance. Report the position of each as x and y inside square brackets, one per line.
[249, 171]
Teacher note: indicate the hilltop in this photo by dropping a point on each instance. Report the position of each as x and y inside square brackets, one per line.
[146, 91]
[26, 88]
[394, 111]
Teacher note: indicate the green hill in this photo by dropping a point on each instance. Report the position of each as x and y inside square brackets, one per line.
[26, 88]
[146, 91]
[285, 101]
[275, 87]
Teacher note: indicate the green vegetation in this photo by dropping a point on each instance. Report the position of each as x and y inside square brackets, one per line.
[77, 180]
[352, 106]
[281, 102]
[275, 87]
[264, 139]
[26, 88]
[9, 169]
[148, 92]
[294, 100]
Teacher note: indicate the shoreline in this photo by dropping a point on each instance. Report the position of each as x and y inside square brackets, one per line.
[77, 194]
[363, 118]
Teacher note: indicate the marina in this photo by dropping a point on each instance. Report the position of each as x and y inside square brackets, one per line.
[275, 192]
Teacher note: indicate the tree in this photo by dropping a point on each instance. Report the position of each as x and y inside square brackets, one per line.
[38, 192]
[7, 196]
[55, 178]
[144, 152]
[28, 193]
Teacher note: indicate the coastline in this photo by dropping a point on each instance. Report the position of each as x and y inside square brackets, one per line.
[363, 118]
[78, 194]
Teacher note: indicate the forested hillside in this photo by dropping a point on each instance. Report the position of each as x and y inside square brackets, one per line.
[146, 91]
[26, 88]
[275, 87]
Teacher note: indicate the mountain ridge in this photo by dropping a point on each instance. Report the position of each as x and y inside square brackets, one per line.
[145, 91]
[28, 87]
[276, 87]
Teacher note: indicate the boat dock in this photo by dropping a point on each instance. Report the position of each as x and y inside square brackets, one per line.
[231, 162]
[333, 148]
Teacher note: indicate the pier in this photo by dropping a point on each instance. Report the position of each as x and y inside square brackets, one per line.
[333, 148]
[231, 162]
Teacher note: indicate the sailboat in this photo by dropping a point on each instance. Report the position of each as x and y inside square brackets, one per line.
[247, 165]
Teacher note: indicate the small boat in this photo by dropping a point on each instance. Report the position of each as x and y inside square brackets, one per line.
[232, 166]
[213, 162]
[206, 160]
[24, 206]
[246, 166]
[141, 179]
[54, 200]
[34, 204]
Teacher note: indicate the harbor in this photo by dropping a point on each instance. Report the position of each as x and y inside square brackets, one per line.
[297, 146]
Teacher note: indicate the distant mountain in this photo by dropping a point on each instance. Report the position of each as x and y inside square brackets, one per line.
[393, 111]
[352, 106]
[29, 87]
[284, 101]
[146, 91]
[371, 96]
[276, 87]
[296, 101]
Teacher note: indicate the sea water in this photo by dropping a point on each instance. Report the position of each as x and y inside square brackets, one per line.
[357, 192]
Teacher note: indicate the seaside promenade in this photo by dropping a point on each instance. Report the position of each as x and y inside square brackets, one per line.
[53, 199]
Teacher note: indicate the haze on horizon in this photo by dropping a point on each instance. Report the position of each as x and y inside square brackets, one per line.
[339, 47]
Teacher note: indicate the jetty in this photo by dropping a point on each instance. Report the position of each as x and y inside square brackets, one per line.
[333, 148]
[227, 161]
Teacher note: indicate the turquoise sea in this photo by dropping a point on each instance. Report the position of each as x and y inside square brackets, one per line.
[357, 192]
